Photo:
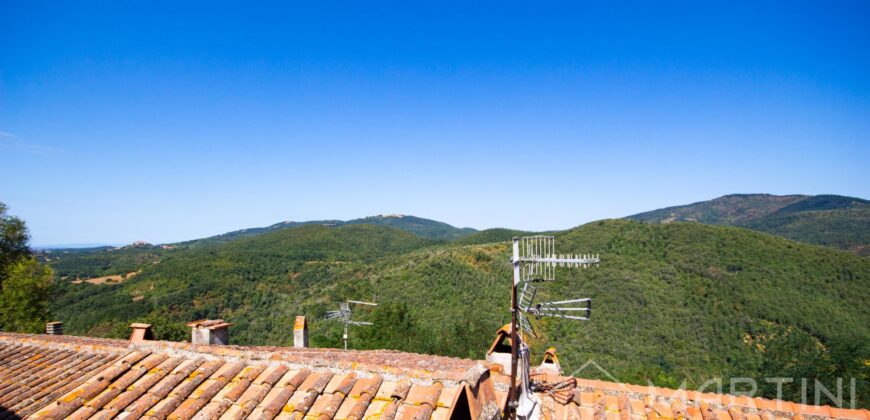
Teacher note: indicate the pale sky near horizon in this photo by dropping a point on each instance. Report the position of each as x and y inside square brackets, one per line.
[163, 122]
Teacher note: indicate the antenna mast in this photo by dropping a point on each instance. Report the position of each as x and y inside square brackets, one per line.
[534, 260]
[344, 313]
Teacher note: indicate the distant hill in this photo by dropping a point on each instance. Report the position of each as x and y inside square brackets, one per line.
[107, 261]
[831, 220]
[424, 228]
[672, 301]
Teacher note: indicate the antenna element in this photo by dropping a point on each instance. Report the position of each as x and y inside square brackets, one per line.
[344, 313]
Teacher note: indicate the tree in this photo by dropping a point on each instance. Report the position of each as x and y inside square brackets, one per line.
[13, 242]
[25, 295]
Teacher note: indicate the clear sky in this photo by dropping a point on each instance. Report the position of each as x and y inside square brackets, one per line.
[165, 121]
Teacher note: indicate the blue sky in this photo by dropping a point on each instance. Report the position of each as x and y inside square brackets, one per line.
[166, 121]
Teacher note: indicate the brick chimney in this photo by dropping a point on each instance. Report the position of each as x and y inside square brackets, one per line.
[300, 333]
[209, 331]
[141, 333]
[54, 328]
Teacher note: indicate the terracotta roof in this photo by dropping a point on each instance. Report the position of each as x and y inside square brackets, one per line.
[75, 377]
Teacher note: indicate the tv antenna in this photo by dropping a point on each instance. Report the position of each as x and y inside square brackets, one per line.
[343, 315]
[534, 261]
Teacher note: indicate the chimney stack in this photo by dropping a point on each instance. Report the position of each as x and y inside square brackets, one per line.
[300, 333]
[209, 331]
[54, 328]
[141, 333]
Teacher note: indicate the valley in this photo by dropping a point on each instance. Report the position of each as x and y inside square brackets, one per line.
[673, 302]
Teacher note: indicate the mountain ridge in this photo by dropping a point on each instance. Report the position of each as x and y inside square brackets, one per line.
[425, 228]
[830, 220]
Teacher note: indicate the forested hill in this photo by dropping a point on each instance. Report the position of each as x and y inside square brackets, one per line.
[672, 301]
[425, 228]
[831, 220]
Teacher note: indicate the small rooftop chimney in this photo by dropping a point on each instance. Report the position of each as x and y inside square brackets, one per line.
[551, 362]
[141, 333]
[300, 333]
[500, 351]
[54, 328]
[209, 331]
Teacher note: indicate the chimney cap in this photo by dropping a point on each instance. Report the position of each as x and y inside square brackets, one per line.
[141, 333]
[550, 356]
[209, 324]
[503, 334]
[500, 351]
[54, 323]
[551, 361]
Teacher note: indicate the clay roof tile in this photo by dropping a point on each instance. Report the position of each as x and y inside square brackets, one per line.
[278, 396]
[359, 398]
[422, 394]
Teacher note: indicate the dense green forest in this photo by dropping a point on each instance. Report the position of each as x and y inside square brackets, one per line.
[672, 302]
[830, 220]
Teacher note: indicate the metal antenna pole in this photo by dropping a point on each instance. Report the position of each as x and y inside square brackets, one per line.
[535, 260]
[510, 413]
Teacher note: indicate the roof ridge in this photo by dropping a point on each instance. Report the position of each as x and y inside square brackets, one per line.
[91, 344]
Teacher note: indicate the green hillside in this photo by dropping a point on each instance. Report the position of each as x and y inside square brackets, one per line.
[830, 220]
[103, 261]
[95, 262]
[244, 233]
[424, 228]
[671, 301]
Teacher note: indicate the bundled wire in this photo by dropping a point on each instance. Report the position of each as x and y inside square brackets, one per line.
[524, 360]
[550, 387]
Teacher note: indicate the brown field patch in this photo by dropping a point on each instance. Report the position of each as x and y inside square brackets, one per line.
[107, 279]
